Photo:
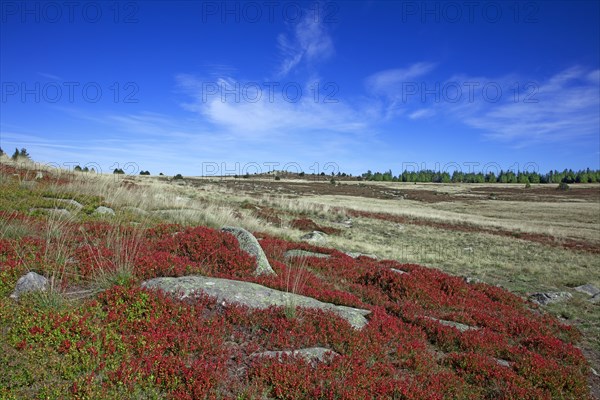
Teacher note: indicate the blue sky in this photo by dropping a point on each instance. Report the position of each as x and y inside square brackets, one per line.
[209, 87]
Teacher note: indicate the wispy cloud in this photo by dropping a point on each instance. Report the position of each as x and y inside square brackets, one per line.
[309, 42]
[50, 76]
[389, 82]
[273, 113]
[563, 108]
[515, 110]
[421, 113]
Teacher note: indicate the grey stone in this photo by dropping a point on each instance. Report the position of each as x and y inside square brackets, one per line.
[398, 271]
[252, 295]
[31, 282]
[471, 280]
[356, 254]
[70, 202]
[315, 237]
[104, 211]
[345, 224]
[250, 245]
[304, 253]
[39, 175]
[550, 297]
[320, 354]
[588, 289]
[453, 324]
[595, 299]
[502, 363]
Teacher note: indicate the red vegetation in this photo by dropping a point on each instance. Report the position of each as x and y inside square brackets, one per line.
[197, 348]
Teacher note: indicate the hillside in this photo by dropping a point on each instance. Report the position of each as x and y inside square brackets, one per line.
[443, 273]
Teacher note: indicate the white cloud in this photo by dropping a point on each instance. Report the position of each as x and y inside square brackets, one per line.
[421, 113]
[309, 42]
[562, 108]
[50, 76]
[272, 114]
[389, 82]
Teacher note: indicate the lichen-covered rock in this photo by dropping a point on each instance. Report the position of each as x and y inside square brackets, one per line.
[315, 237]
[550, 297]
[31, 282]
[252, 295]
[104, 211]
[250, 245]
[304, 253]
[311, 354]
[356, 254]
[70, 202]
[453, 324]
[588, 289]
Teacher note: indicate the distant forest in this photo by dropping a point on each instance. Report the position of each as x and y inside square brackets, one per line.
[566, 176]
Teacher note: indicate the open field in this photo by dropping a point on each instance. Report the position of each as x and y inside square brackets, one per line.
[524, 240]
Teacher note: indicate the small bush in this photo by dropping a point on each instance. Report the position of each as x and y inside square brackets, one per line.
[178, 176]
[563, 186]
[277, 178]
[527, 185]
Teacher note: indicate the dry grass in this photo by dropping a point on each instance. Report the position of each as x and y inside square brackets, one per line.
[518, 265]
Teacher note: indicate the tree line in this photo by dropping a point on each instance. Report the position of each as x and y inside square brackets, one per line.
[17, 154]
[565, 176]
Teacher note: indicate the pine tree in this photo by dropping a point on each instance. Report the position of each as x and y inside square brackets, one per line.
[15, 155]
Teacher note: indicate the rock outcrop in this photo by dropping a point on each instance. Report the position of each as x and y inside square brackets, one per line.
[315, 237]
[304, 253]
[311, 354]
[250, 245]
[31, 282]
[104, 211]
[550, 297]
[252, 295]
